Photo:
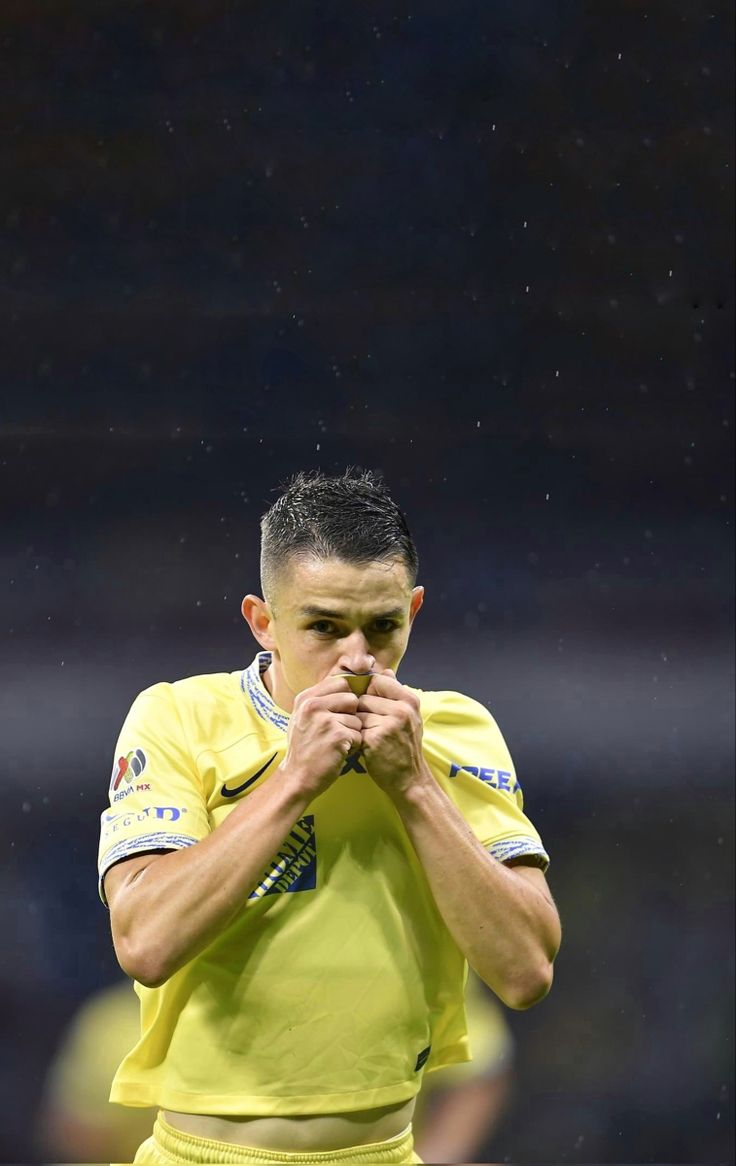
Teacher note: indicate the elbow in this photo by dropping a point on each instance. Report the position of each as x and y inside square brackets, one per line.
[146, 967]
[529, 990]
[152, 978]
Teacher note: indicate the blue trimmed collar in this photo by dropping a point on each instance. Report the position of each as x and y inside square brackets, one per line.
[254, 688]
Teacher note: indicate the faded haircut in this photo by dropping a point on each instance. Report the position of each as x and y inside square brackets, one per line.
[352, 517]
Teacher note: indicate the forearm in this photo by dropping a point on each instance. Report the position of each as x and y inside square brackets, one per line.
[178, 903]
[507, 929]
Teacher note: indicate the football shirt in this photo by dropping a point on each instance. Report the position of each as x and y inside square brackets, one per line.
[338, 982]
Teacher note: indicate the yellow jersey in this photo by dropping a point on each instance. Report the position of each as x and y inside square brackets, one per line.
[490, 1037]
[338, 982]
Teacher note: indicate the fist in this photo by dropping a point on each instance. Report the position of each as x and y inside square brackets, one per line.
[391, 733]
[324, 727]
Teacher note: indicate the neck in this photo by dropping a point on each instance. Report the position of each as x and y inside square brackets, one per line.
[276, 687]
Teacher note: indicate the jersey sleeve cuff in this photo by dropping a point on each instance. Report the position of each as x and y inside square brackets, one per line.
[126, 848]
[523, 847]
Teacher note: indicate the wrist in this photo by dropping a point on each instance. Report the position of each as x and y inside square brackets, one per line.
[416, 795]
[295, 786]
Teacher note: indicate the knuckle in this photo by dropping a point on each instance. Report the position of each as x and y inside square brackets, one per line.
[309, 706]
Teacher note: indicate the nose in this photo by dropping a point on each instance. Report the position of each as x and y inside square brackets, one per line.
[354, 654]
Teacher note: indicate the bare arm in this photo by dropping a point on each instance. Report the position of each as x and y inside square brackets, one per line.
[503, 920]
[166, 908]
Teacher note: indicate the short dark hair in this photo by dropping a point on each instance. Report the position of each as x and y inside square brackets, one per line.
[351, 517]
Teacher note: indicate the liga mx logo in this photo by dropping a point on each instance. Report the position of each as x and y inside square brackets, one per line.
[127, 768]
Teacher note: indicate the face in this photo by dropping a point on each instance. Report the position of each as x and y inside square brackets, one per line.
[330, 616]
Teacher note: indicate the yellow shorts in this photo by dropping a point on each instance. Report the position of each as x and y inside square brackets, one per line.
[170, 1147]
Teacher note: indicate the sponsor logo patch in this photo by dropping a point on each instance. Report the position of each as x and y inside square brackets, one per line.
[295, 866]
[120, 821]
[496, 778]
[127, 769]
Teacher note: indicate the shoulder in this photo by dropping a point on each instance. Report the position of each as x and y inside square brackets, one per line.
[192, 692]
[461, 729]
[453, 708]
[197, 710]
[213, 688]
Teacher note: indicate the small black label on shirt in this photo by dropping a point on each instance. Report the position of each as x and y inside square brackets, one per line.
[422, 1058]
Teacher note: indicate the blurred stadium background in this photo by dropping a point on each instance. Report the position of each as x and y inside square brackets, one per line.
[488, 250]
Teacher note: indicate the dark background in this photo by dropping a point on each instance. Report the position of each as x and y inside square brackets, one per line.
[485, 248]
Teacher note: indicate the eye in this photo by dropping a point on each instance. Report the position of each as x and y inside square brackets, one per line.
[323, 627]
[384, 627]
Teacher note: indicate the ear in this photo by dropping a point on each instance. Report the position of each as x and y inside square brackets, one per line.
[417, 599]
[257, 615]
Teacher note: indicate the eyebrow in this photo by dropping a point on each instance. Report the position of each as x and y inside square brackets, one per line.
[323, 613]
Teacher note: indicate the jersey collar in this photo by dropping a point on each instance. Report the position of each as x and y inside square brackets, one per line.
[252, 685]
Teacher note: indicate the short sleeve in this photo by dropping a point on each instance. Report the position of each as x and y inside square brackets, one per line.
[156, 801]
[466, 752]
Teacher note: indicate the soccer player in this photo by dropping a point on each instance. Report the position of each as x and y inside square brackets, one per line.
[458, 1108]
[300, 857]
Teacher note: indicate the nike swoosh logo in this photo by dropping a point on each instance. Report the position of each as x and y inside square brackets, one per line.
[233, 793]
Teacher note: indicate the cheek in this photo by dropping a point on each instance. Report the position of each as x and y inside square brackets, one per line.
[391, 653]
[309, 654]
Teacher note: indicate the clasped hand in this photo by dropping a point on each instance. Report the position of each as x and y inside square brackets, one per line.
[391, 733]
[329, 721]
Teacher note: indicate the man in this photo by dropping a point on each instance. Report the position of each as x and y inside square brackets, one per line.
[457, 1111]
[300, 858]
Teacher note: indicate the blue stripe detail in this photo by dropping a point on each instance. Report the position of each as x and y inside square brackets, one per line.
[160, 840]
[250, 683]
[517, 847]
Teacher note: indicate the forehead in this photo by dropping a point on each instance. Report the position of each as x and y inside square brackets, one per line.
[339, 586]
